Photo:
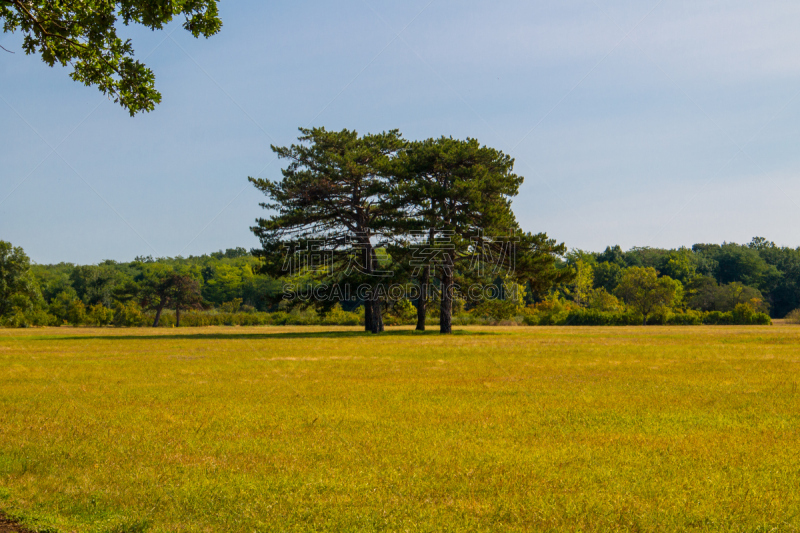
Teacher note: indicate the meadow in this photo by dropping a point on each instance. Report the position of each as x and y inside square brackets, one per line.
[330, 429]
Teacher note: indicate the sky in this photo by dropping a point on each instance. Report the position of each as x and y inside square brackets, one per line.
[638, 123]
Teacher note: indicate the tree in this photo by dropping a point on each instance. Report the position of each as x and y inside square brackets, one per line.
[642, 289]
[83, 34]
[458, 190]
[607, 276]
[613, 255]
[183, 294]
[96, 284]
[18, 289]
[332, 199]
[539, 263]
[583, 282]
[745, 265]
[706, 294]
[155, 293]
[601, 300]
[679, 264]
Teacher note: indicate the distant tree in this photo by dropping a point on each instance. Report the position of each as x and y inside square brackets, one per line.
[613, 255]
[702, 293]
[231, 253]
[53, 279]
[332, 195]
[645, 292]
[607, 276]
[582, 283]
[60, 304]
[83, 34]
[183, 294]
[745, 265]
[96, 283]
[645, 256]
[705, 294]
[760, 243]
[539, 263]
[155, 291]
[99, 315]
[601, 300]
[679, 264]
[18, 289]
[76, 312]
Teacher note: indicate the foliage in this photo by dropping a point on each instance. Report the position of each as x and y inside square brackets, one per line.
[705, 294]
[793, 317]
[99, 315]
[76, 313]
[457, 190]
[19, 293]
[231, 307]
[83, 34]
[646, 293]
[183, 294]
[129, 315]
[581, 286]
[337, 316]
[333, 201]
[600, 300]
[607, 276]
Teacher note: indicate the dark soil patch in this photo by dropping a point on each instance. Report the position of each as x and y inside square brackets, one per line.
[9, 526]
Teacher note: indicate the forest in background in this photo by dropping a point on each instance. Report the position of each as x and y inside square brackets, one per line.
[707, 283]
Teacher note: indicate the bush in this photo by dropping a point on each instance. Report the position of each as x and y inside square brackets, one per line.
[742, 315]
[31, 318]
[558, 315]
[99, 315]
[551, 312]
[793, 317]
[339, 317]
[499, 310]
[690, 317]
[129, 315]
[76, 313]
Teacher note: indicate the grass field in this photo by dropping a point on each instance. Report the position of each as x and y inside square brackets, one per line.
[298, 429]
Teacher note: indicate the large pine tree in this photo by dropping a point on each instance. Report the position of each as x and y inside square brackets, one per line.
[333, 193]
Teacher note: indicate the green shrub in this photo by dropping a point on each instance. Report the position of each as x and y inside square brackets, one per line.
[76, 313]
[339, 317]
[690, 317]
[129, 315]
[99, 315]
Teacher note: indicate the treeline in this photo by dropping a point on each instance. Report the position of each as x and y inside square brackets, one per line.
[131, 293]
[712, 277]
[377, 229]
[705, 284]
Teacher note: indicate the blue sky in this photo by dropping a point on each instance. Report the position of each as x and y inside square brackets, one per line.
[634, 123]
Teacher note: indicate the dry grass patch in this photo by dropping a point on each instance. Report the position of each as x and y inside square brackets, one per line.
[330, 429]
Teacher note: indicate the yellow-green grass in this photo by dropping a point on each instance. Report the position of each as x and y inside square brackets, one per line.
[330, 429]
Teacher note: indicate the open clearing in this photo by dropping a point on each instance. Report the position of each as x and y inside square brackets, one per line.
[330, 429]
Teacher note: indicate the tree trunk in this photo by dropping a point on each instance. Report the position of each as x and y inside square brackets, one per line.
[377, 318]
[446, 310]
[644, 320]
[422, 301]
[424, 287]
[368, 315]
[177, 317]
[376, 325]
[158, 317]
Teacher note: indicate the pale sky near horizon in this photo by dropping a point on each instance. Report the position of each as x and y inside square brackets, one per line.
[634, 123]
